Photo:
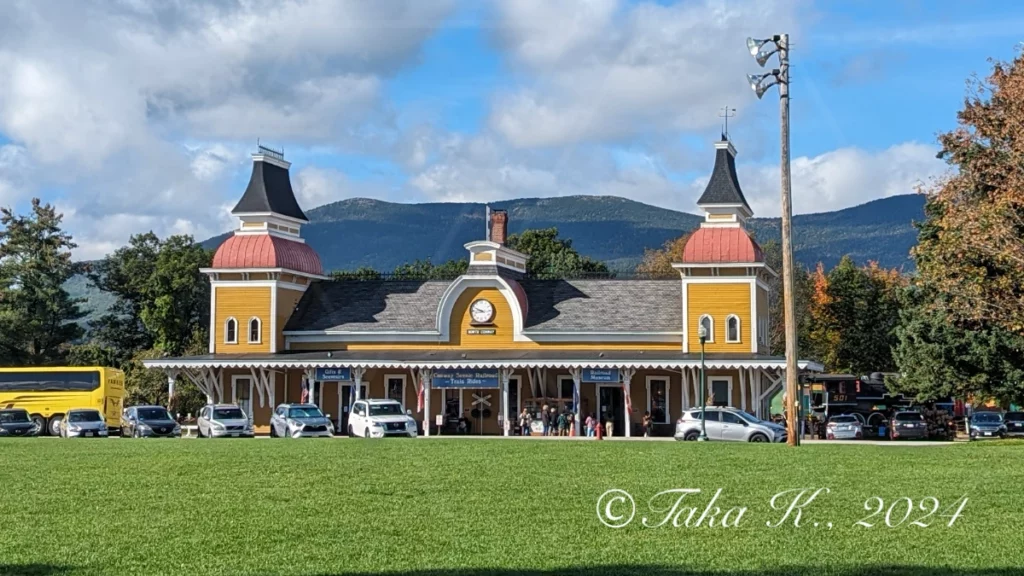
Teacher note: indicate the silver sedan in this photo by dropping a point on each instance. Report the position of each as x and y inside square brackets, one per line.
[82, 423]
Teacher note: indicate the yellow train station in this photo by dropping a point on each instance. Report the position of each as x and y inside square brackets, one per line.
[492, 342]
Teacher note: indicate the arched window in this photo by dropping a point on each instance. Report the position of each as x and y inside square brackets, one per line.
[732, 328]
[709, 324]
[231, 331]
[254, 331]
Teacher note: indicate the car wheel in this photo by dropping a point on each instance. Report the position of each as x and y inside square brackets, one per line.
[758, 438]
[366, 432]
[273, 431]
[54, 424]
[350, 433]
[691, 436]
[136, 434]
[40, 422]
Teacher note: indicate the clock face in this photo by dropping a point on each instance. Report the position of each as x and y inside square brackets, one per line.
[481, 311]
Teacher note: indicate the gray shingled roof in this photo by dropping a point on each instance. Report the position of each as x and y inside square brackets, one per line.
[554, 306]
[724, 186]
[369, 305]
[604, 305]
[269, 190]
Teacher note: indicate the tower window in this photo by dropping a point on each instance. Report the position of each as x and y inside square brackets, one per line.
[709, 324]
[732, 328]
[231, 331]
[254, 331]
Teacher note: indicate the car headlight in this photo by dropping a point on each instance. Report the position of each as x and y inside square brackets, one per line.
[177, 428]
[74, 428]
[376, 425]
[218, 426]
[142, 426]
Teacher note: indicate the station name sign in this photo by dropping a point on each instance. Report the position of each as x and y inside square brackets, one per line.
[481, 331]
[465, 379]
[600, 375]
[333, 374]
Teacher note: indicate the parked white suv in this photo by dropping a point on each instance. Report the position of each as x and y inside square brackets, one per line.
[724, 423]
[380, 418]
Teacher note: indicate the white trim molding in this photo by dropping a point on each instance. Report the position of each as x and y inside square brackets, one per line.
[230, 320]
[387, 387]
[711, 387]
[259, 330]
[711, 328]
[739, 329]
[667, 379]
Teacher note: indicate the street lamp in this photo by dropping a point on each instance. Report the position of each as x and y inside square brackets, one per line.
[762, 50]
[702, 335]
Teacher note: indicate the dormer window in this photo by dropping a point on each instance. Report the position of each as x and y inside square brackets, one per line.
[732, 329]
[231, 331]
[254, 331]
[709, 325]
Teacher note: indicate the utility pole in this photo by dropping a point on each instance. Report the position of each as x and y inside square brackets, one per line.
[762, 50]
[792, 382]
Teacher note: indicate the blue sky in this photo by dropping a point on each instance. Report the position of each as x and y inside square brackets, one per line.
[143, 117]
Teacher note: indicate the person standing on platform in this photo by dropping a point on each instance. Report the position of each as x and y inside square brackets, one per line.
[589, 422]
[545, 420]
[524, 422]
[647, 424]
[563, 424]
[609, 425]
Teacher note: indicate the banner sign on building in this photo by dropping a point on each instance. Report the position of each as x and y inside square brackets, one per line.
[601, 375]
[333, 374]
[465, 379]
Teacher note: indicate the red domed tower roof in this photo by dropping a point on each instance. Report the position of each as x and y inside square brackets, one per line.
[721, 245]
[267, 251]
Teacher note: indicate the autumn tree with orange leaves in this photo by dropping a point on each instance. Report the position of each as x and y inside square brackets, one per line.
[975, 255]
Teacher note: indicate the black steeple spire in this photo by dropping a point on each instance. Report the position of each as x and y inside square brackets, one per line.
[724, 186]
[270, 188]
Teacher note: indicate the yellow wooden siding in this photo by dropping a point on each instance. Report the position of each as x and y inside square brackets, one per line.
[719, 301]
[242, 303]
[483, 257]
[286, 302]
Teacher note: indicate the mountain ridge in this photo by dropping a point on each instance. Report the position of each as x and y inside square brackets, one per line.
[379, 234]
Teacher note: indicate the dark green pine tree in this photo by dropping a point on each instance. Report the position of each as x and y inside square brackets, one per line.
[37, 316]
[553, 256]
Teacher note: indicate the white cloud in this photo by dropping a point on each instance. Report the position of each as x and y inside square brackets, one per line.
[14, 170]
[103, 97]
[843, 178]
[653, 69]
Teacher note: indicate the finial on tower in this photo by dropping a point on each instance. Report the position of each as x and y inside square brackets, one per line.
[726, 113]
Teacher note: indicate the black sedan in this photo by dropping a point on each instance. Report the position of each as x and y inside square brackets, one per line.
[15, 422]
[149, 422]
[1014, 422]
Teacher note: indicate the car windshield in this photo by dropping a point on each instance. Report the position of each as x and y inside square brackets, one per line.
[305, 412]
[84, 416]
[1014, 417]
[389, 409]
[844, 419]
[987, 418]
[908, 417]
[14, 417]
[153, 414]
[747, 416]
[228, 414]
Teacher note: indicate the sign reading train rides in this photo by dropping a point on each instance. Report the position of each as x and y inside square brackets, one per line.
[600, 375]
[333, 374]
[464, 379]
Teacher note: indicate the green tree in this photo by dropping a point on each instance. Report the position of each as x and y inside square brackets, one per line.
[658, 263]
[553, 256]
[803, 289]
[37, 316]
[939, 357]
[161, 296]
[854, 315]
[426, 270]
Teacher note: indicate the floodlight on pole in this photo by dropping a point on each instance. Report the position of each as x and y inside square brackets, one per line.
[761, 54]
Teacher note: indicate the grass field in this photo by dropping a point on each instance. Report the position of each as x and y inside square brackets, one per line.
[492, 507]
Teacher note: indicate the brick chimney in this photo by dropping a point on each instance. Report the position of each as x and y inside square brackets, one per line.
[499, 226]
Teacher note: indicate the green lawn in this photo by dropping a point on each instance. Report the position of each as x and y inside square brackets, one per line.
[491, 507]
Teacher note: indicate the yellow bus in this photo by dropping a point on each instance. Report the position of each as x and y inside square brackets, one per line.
[49, 392]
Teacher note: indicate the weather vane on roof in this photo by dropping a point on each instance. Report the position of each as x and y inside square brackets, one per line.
[726, 113]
